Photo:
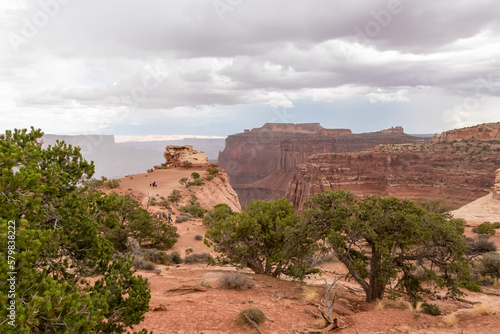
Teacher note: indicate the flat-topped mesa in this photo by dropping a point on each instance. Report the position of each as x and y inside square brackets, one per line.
[175, 155]
[482, 132]
[496, 187]
[290, 128]
[393, 130]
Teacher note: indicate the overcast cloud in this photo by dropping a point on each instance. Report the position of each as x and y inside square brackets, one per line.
[214, 67]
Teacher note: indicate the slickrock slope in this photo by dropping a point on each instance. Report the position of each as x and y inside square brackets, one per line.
[496, 187]
[458, 172]
[260, 162]
[483, 132]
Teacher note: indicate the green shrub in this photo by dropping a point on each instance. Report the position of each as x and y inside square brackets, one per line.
[112, 184]
[253, 314]
[486, 228]
[184, 181]
[480, 245]
[212, 171]
[186, 164]
[156, 256]
[175, 257]
[496, 225]
[174, 196]
[150, 170]
[181, 219]
[199, 258]
[196, 210]
[431, 309]
[235, 281]
[197, 182]
[220, 212]
[209, 177]
[140, 263]
[195, 175]
[198, 237]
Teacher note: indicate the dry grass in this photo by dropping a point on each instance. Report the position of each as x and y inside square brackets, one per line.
[318, 323]
[379, 305]
[417, 308]
[480, 309]
[311, 294]
[287, 303]
[451, 320]
[204, 283]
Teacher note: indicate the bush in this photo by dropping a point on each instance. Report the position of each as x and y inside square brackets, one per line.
[186, 164]
[431, 309]
[496, 225]
[164, 204]
[196, 210]
[174, 196]
[141, 263]
[480, 245]
[489, 265]
[197, 182]
[112, 184]
[175, 257]
[181, 219]
[156, 256]
[150, 170]
[199, 258]
[253, 314]
[212, 171]
[209, 177]
[198, 237]
[195, 175]
[235, 281]
[486, 228]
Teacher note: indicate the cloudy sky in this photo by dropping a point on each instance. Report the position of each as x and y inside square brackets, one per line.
[216, 67]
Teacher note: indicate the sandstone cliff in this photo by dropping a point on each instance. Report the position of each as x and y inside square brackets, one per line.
[260, 162]
[459, 172]
[483, 132]
[175, 155]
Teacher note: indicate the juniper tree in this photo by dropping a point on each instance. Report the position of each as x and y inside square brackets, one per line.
[59, 245]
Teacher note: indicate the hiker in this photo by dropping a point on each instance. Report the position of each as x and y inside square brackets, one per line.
[150, 184]
[170, 216]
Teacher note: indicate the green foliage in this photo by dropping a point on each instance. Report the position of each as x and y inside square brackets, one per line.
[253, 314]
[381, 239]
[209, 177]
[184, 181]
[265, 237]
[123, 217]
[212, 170]
[431, 309]
[486, 228]
[195, 175]
[186, 164]
[60, 244]
[220, 212]
[480, 245]
[197, 182]
[496, 225]
[198, 237]
[175, 257]
[193, 199]
[195, 210]
[174, 196]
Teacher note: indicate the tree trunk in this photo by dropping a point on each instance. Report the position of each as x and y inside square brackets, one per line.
[376, 287]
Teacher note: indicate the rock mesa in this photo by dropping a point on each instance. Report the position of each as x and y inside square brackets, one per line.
[176, 155]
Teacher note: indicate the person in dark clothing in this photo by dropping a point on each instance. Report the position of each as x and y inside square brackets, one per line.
[170, 216]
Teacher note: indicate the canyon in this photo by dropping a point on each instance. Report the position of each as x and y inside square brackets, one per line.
[457, 171]
[261, 162]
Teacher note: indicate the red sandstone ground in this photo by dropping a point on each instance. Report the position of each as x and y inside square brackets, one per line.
[215, 310]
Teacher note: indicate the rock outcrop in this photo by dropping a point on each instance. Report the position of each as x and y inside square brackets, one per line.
[496, 187]
[458, 173]
[260, 162]
[483, 132]
[175, 155]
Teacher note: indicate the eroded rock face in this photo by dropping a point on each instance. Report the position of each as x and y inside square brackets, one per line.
[260, 162]
[483, 132]
[175, 155]
[496, 187]
[431, 172]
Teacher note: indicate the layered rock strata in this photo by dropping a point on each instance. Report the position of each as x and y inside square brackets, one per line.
[482, 132]
[176, 155]
[260, 162]
[458, 174]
